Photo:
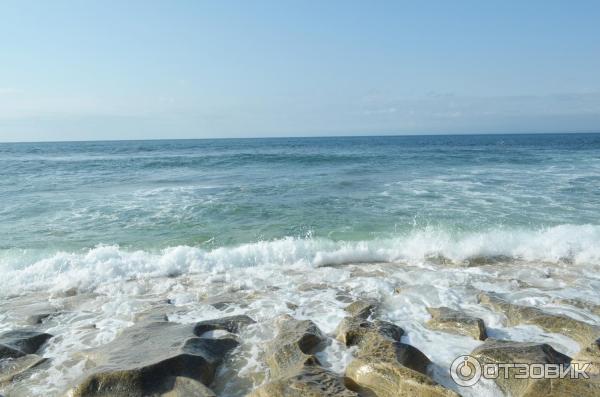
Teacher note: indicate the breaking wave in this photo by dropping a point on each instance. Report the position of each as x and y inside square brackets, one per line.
[25, 271]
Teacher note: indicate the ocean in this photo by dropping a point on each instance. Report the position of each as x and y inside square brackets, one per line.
[129, 223]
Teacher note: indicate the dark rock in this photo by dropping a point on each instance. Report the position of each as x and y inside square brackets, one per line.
[19, 343]
[486, 260]
[343, 297]
[494, 351]
[151, 359]
[231, 324]
[453, 321]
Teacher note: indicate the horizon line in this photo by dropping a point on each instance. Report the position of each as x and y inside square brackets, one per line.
[380, 135]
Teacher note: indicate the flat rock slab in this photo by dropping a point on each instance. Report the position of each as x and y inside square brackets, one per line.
[582, 332]
[151, 358]
[456, 322]
[11, 369]
[19, 343]
[494, 351]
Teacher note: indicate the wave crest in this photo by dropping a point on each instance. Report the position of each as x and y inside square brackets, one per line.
[60, 271]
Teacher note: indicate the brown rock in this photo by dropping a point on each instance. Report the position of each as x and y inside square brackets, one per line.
[295, 371]
[580, 331]
[453, 321]
[352, 330]
[362, 308]
[590, 354]
[294, 346]
[564, 387]
[310, 381]
[384, 366]
[373, 377]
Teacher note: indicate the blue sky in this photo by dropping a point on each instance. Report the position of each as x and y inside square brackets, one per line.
[77, 70]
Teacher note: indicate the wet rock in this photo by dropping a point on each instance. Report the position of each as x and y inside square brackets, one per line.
[310, 381]
[295, 370]
[19, 343]
[229, 300]
[352, 330]
[232, 324]
[580, 331]
[564, 387]
[29, 310]
[383, 365]
[590, 354]
[312, 287]
[39, 318]
[494, 351]
[483, 260]
[380, 340]
[581, 304]
[186, 387]
[439, 260]
[344, 297]
[362, 308]
[159, 312]
[360, 272]
[373, 377]
[160, 358]
[453, 321]
[294, 346]
[14, 368]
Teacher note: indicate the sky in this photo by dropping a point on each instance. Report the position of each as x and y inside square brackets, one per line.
[93, 70]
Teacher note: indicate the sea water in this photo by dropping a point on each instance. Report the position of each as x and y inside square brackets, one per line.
[295, 226]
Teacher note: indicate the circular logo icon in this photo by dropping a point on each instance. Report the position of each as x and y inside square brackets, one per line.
[465, 371]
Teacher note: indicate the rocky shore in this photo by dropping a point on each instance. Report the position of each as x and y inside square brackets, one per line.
[164, 351]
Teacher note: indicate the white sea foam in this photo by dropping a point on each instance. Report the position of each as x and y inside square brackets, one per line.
[59, 271]
[285, 277]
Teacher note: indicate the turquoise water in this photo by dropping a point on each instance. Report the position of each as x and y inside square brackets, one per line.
[532, 196]
[223, 192]
[100, 234]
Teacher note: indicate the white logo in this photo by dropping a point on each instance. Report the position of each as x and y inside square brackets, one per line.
[465, 371]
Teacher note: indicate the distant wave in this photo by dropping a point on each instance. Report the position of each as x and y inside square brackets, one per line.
[87, 270]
